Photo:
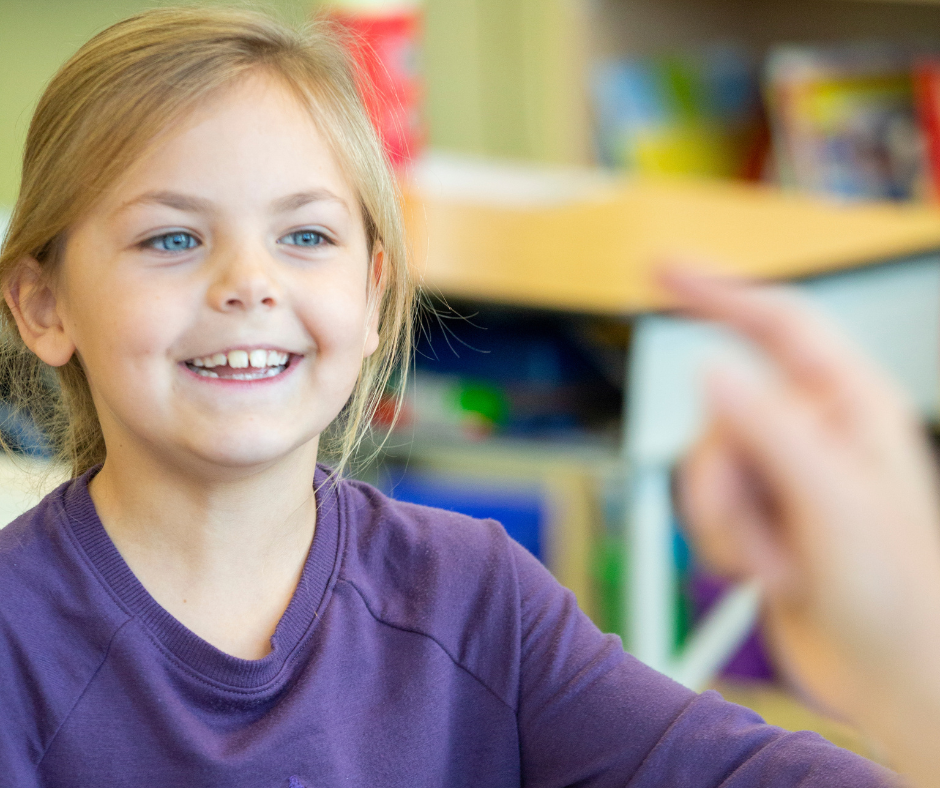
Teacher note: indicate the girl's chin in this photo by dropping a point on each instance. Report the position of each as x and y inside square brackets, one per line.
[248, 453]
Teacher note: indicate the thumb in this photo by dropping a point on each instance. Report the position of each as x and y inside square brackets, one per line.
[777, 444]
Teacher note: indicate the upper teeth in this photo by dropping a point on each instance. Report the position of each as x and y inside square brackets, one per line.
[241, 359]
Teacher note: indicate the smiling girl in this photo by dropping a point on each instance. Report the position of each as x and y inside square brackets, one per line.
[206, 266]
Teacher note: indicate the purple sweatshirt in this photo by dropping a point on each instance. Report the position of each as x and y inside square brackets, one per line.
[421, 648]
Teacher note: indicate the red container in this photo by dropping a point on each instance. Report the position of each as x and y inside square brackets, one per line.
[385, 38]
[927, 97]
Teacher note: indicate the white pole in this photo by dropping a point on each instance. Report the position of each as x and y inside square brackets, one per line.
[717, 638]
[651, 588]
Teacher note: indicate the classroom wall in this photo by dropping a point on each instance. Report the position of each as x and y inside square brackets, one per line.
[498, 72]
[505, 78]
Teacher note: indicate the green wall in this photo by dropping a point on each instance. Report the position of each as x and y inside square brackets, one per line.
[504, 78]
[498, 72]
[36, 37]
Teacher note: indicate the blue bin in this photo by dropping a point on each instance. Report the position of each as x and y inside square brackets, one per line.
[519, 511]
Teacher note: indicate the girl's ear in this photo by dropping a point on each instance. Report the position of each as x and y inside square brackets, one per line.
[377, 284]
[34, 306]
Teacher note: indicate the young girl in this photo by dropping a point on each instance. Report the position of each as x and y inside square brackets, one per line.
[206, 266]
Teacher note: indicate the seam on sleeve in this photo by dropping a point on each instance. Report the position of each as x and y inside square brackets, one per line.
[430, 637]
[107, 653]
[734, 767]
[764, 748]
[517, 599]
[659, 741]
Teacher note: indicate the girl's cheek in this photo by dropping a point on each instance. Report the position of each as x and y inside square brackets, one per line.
[150, 325]
[337, 316]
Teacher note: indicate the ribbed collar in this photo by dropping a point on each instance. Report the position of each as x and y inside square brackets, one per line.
[310, 597]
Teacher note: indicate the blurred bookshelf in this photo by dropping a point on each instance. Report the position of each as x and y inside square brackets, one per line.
[578, 248]
[518, 81]
[534, 262]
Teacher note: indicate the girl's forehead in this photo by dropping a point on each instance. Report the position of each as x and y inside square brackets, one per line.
[255, 133]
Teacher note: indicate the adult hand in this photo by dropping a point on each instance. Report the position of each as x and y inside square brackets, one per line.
[819, 484]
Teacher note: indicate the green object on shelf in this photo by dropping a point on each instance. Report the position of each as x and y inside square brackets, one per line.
[609, 571]
[683, 611]
[484, 399]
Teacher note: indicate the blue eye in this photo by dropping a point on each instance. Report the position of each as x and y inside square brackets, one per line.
[173, 242]
[307, 238]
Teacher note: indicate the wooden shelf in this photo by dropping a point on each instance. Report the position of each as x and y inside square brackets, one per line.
[598, 251]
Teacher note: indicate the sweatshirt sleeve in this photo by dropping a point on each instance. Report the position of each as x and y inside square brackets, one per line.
[590, 714]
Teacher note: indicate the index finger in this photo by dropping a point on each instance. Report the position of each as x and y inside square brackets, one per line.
[806, 346]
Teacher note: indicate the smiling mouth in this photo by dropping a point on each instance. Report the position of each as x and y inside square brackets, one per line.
[256, 364]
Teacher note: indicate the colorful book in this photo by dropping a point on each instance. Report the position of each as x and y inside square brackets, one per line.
[695, 114]
[844, 121]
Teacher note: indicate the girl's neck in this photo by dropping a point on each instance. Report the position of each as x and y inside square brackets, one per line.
[222, 554]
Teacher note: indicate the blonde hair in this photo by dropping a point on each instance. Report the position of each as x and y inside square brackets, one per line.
[96, 117]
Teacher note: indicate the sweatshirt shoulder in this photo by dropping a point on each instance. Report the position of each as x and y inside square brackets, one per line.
[426, 529]
[396, 544]
[29, 543]
[446, 575]
[56, 622]
[44, 574]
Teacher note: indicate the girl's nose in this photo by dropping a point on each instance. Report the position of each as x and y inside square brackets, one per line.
[244, 281]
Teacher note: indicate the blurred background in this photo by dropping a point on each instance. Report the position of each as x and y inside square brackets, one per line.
[674, 86]
[550, 152]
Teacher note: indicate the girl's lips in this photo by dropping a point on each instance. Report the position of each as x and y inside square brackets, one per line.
[243, 374]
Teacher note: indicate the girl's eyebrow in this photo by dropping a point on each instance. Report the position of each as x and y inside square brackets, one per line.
[181, 202]
[192, 204]
[294, 201]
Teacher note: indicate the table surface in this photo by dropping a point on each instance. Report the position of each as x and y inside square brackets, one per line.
[592, 243]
